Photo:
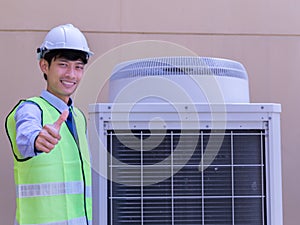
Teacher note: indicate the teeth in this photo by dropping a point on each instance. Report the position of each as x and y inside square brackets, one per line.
[67, 82]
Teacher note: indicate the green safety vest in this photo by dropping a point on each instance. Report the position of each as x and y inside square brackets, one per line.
[53, 188]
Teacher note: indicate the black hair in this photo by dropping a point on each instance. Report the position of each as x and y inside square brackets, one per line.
[69, 54]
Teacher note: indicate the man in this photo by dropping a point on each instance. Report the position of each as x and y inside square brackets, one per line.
[48, 138]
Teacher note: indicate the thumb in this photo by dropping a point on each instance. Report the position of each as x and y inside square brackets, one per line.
[62, 118]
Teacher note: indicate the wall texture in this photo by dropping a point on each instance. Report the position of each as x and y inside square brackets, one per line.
[264, 35]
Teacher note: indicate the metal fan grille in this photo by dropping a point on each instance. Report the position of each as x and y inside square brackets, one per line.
[181, 65]
[230, 190]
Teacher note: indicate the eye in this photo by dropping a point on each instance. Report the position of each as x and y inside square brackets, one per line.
[79, 67]
[62, 64]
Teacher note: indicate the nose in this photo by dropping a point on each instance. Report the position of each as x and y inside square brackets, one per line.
[71, 71]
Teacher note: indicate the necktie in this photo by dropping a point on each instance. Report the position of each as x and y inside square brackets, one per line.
[70, 121]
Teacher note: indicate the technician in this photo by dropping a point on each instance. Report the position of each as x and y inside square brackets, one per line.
[48, 138]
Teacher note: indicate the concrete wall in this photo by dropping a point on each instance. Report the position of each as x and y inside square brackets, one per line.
[264, 35]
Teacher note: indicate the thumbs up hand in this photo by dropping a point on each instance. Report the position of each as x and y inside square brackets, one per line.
[49, 136]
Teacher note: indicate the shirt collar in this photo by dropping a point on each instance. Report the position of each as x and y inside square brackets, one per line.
[55, 101]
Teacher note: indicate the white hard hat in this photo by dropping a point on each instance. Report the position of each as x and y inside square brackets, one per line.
[64, 37]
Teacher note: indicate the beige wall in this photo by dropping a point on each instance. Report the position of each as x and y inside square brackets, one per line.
[264, 35]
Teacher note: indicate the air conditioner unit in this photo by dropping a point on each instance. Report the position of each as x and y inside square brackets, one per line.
[164, 159]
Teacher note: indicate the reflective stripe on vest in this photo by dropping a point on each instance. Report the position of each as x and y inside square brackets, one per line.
[77, 221]
[50, 189]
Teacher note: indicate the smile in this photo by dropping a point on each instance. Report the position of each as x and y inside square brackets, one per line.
[68, 83]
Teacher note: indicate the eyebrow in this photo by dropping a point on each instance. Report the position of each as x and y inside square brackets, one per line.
[78, 61]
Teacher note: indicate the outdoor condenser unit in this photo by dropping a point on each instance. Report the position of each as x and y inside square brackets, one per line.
[180, 144]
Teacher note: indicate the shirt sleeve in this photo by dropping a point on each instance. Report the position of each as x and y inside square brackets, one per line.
[28, 125]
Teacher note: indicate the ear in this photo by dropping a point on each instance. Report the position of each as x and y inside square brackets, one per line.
[44, 66]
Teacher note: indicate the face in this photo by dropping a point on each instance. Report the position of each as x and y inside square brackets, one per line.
[63, 76]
